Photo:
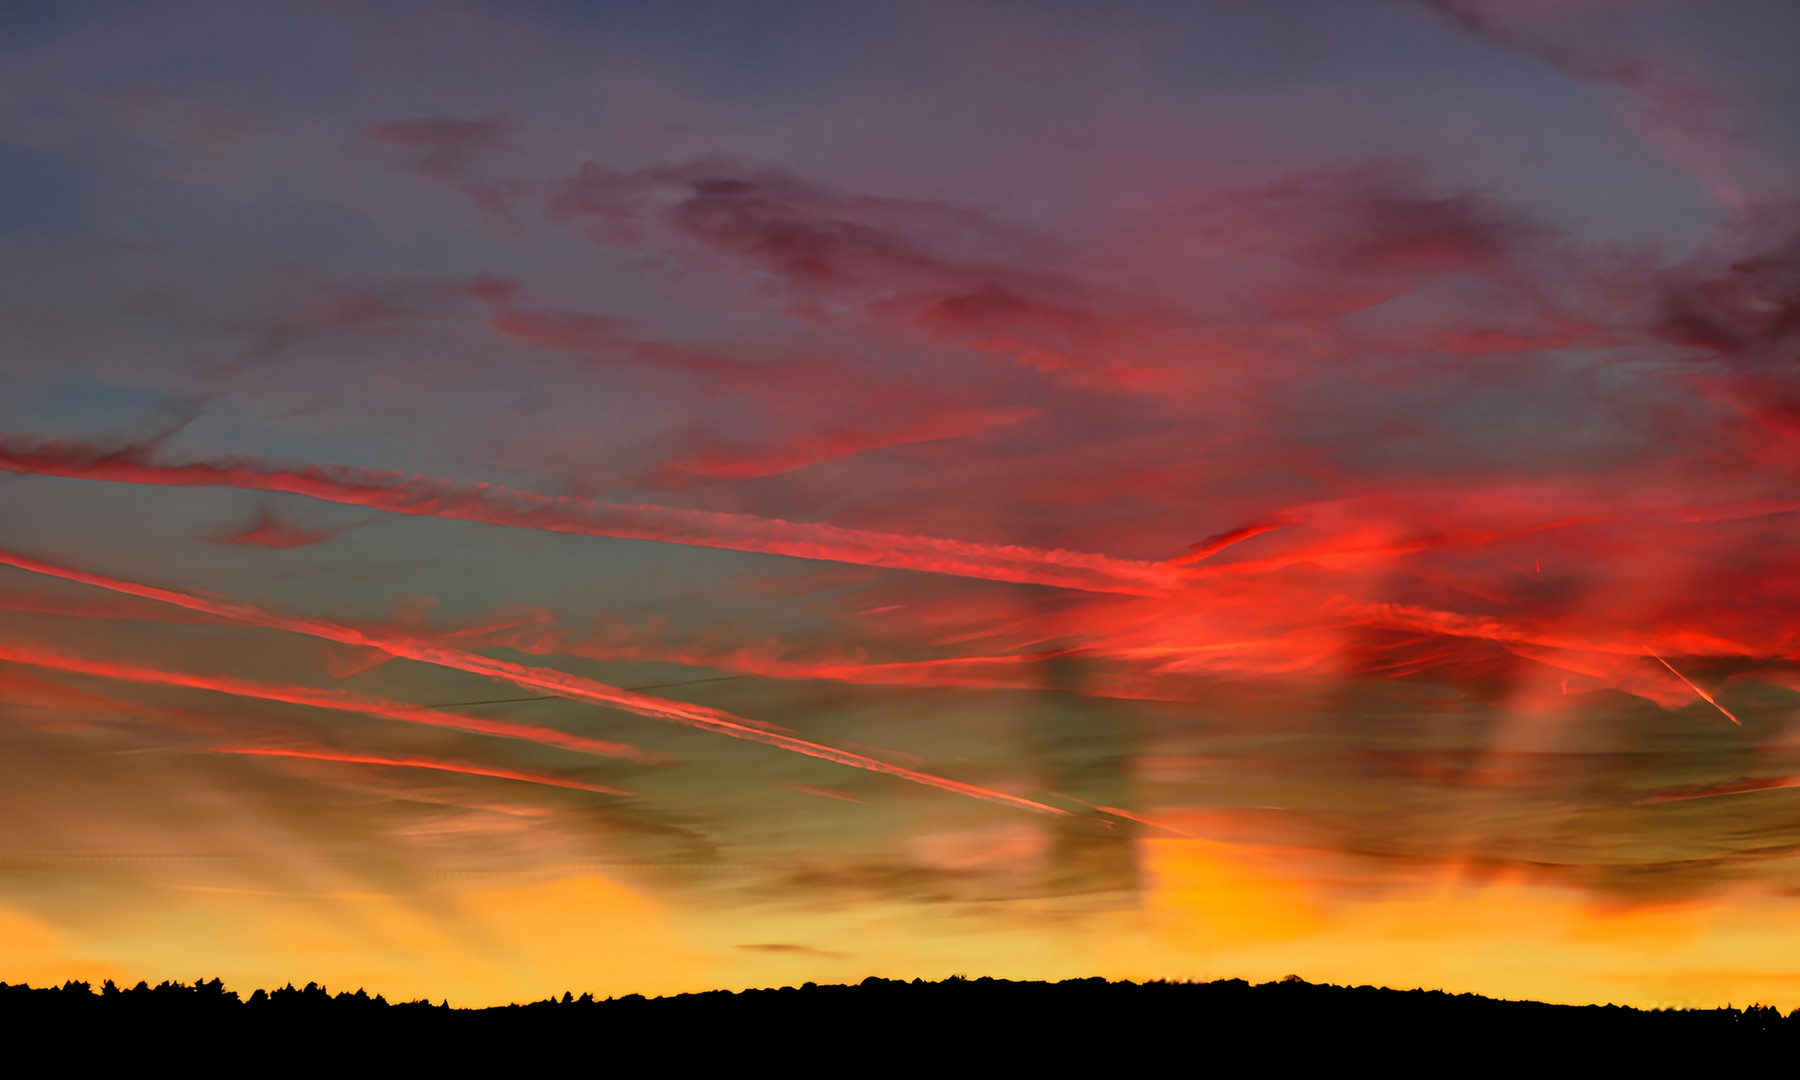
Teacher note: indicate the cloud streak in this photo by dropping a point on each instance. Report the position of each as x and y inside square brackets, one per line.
[431, 764]
[492, 504]
[335, 700]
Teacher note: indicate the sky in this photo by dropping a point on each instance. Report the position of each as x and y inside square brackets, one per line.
[504, 498]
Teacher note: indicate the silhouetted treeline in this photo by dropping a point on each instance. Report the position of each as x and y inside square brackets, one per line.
[882, 1025]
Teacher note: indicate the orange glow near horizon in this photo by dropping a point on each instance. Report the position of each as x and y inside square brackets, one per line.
[1213, 911]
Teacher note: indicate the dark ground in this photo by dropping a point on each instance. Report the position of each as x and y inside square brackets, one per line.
[888, 1027]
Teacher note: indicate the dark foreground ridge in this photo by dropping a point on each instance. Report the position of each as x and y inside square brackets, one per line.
[895, 1022]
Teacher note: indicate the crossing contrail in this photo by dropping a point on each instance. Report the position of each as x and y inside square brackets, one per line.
[562, 684]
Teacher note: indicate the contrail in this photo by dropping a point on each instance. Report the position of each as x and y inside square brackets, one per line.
[399, 493]
[1742, 786]
[421, 763]
[339, 700]
[573, 687]
[1492, 628]
[1708, 697]
[986, 672]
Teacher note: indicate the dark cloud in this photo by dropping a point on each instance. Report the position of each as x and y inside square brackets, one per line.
[1747, 309]
[802, 950]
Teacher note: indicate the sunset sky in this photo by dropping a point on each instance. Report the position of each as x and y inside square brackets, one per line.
[506, 497]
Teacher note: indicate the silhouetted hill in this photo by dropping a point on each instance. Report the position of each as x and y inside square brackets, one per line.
[882, 1026]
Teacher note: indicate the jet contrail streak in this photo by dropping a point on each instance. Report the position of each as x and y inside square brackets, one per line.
[339, 700]
[399, 493]
[1736, 787]
[562, 684]
[1703, 694]
[421, 763]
